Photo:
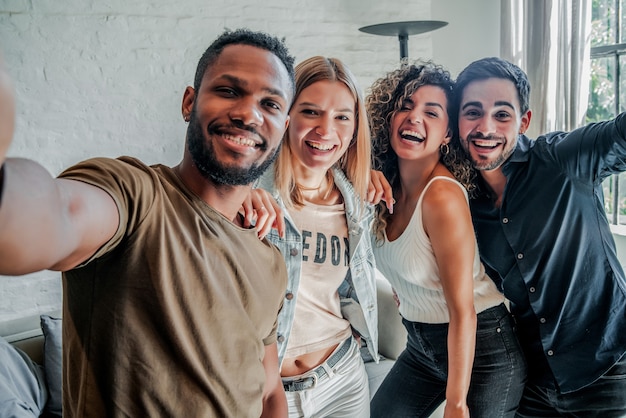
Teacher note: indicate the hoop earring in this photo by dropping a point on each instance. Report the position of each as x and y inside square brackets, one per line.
[444, 149]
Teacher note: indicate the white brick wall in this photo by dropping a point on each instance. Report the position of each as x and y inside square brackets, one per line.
[105, 78]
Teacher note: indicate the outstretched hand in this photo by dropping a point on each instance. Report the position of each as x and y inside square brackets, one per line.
[260, 209]
[380, 189]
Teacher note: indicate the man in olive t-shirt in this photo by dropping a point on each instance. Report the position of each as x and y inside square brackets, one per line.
[170, 304]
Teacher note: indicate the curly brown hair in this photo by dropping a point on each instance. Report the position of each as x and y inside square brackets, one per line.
[386, 97]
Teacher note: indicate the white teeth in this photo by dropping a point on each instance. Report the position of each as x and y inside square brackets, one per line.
[240, 140]
[486, 143]
[414, 134]
[320, 146]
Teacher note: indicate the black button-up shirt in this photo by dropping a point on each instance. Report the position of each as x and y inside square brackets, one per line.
[550, 247]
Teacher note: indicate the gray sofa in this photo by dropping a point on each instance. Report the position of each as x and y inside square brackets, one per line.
[30, 367]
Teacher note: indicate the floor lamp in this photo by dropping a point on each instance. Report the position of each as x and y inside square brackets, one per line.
[403, 30]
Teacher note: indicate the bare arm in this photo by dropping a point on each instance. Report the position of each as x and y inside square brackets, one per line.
[48, 223]
[448, 223]
[45, 223]
[274, 401]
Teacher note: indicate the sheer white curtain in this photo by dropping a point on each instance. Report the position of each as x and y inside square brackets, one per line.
[550, 40]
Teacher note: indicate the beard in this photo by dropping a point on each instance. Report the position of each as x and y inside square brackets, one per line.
[210, 168]
[485, 164]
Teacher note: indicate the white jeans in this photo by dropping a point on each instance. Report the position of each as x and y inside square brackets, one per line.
[345, 393]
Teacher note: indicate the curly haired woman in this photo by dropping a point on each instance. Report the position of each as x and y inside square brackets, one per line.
[462, 346]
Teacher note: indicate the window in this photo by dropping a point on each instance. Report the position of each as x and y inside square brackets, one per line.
[606, 97]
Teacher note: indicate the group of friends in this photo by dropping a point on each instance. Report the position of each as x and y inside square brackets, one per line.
[242, 281]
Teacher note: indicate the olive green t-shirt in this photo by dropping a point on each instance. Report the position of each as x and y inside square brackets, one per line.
[172, 315]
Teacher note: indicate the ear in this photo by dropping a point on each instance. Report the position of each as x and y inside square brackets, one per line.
[525, 122]
[287, 122]
[448, 136]
[188, 99]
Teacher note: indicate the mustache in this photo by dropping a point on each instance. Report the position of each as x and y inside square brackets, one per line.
[219, 129]
[489, 137]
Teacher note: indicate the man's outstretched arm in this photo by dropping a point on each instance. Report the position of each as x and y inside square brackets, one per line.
[45, 223]
[48, 223]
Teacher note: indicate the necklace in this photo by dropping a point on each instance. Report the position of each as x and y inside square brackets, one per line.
[302, 188]
[307, 189]
[320, 193]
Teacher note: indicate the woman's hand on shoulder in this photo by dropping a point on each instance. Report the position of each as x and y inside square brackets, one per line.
[380, 189]
[261, 210]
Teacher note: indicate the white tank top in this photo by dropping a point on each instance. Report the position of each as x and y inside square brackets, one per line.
[410, 266]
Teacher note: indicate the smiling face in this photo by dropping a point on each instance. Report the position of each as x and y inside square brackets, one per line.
[238, 116]
[490, 121]
[322, 125]
[420, 126]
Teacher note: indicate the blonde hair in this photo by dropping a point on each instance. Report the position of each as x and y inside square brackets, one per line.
[356, 161]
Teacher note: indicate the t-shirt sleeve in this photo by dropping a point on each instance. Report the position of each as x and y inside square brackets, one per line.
[281, 268]
[128, 181]
[271, 338]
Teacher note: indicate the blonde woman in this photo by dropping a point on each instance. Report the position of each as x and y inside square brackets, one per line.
[329, 309]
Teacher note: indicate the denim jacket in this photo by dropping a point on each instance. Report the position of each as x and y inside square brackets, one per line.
[357, 292]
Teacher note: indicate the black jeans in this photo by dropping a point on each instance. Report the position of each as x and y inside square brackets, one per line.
[604, 398]
[416, 384]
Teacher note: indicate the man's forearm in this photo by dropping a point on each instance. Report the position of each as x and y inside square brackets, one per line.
[274, 400]
[275, 405]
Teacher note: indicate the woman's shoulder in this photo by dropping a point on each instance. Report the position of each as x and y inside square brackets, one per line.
[443, 180]
[444, 191]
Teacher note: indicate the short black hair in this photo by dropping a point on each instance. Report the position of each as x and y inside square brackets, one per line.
[494, 67]
[245, 37]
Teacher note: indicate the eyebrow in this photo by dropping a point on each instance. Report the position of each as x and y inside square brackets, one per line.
[480, 105]
[430, 104]
[311, 104]
[505, 103]
[240, 82]
[435, 104]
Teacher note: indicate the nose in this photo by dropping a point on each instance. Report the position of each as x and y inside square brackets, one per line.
[486, 126]
[247, 112]
[414, 117]
[325, 128]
